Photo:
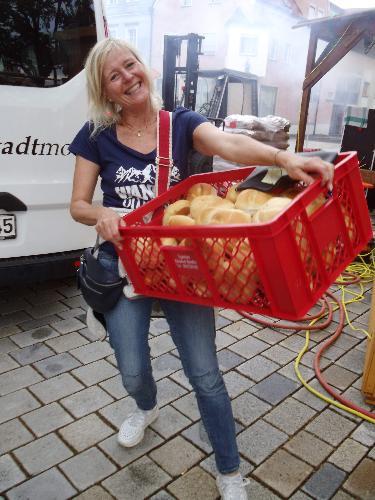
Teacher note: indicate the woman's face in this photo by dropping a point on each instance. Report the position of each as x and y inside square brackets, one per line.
[124, 79]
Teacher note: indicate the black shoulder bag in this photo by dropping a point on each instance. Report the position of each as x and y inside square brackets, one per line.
[100, 288]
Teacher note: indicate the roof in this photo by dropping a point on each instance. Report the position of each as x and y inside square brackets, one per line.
[233, 74]
[334, 23]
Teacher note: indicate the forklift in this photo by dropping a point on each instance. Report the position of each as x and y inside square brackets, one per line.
[180, 83]
[181, 75]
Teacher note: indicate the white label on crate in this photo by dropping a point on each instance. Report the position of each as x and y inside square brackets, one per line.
[273, 175]
[186, 262]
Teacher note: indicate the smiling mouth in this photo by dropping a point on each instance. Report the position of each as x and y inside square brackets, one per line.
[133, 89]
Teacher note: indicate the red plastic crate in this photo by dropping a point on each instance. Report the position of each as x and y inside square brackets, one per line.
[278, 269]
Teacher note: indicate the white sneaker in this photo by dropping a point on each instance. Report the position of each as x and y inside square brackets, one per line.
[232, 487]
[133, 428]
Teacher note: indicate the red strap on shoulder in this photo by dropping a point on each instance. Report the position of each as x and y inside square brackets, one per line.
[164, 157]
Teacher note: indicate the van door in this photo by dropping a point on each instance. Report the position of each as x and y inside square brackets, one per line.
[43, 104]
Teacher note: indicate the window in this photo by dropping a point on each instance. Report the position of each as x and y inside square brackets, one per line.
[209, 44]
[321, 13]
[44, 44]
[213, 2]
[348, 90]
[288, 53]
[186, 3]
[131, 35]
[312, 12]
[267, 100]
[366, 89]
[248, 45]
[273, 54]
[113, 31]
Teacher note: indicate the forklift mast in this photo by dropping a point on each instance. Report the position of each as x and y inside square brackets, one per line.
[172, 55]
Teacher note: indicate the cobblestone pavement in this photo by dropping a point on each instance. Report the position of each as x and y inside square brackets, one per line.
[61, 401]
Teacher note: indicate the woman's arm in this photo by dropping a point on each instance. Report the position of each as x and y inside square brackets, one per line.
[105, 220]
[209, 140]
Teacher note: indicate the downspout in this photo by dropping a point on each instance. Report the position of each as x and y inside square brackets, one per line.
[154, 2]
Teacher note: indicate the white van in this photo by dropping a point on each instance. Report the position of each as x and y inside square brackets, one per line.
[42, 106]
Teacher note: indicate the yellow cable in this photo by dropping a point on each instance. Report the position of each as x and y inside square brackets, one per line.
[365, 270]
[318, 394]
[344, 303]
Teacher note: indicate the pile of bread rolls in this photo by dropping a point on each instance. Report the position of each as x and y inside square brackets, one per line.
[203, 206]
[230, 260]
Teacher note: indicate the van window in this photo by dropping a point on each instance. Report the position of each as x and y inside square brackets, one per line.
[44, 43]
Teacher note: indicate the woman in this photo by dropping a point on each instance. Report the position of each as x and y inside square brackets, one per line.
[118, 144]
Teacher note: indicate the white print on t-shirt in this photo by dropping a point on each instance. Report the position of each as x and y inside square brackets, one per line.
[139, 186]
[136, 175]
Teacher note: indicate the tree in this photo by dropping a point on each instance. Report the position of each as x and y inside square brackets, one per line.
[29, 45]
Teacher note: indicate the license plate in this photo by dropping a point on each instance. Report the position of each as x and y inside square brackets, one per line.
[7, 226]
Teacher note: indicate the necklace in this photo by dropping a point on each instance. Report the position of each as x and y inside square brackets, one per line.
[139, 131]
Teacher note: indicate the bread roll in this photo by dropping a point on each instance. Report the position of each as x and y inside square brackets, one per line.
[169, 241]
[201, 289]
[186, 242]
[159, 280]
[292, 191]
[251, 200]
[237, 278]
[349, 223]
[235, 274]
[200, 189]
[204, 216]
[271, 209]
[315, 204]
[180, 220]
[232, 194]
[224, 216]
[180, 207]
[206, 201]
[213, 250]
[146, 253]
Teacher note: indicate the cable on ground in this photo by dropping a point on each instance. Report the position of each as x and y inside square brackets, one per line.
[358, 273]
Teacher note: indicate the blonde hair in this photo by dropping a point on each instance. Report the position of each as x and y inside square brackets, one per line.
[102, 112]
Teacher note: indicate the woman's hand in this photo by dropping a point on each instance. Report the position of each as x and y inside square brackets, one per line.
[300, 168]
[108, 224]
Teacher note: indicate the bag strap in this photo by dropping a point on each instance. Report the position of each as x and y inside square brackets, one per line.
[164, 161]
[95, 249]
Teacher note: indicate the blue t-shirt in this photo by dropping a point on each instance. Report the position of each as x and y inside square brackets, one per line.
[127, 176]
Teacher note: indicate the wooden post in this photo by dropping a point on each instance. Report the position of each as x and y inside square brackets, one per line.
[368, 384]
[305, 101]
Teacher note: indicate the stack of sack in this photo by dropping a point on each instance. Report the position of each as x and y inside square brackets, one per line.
[271, 130]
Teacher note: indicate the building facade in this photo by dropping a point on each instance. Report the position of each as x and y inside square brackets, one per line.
[257, 37]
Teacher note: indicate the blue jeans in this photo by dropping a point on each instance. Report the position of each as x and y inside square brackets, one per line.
[193, 332]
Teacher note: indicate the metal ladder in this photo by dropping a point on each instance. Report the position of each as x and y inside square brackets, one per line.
[217, 96]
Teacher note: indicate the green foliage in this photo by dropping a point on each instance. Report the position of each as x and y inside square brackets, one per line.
[31, 44]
